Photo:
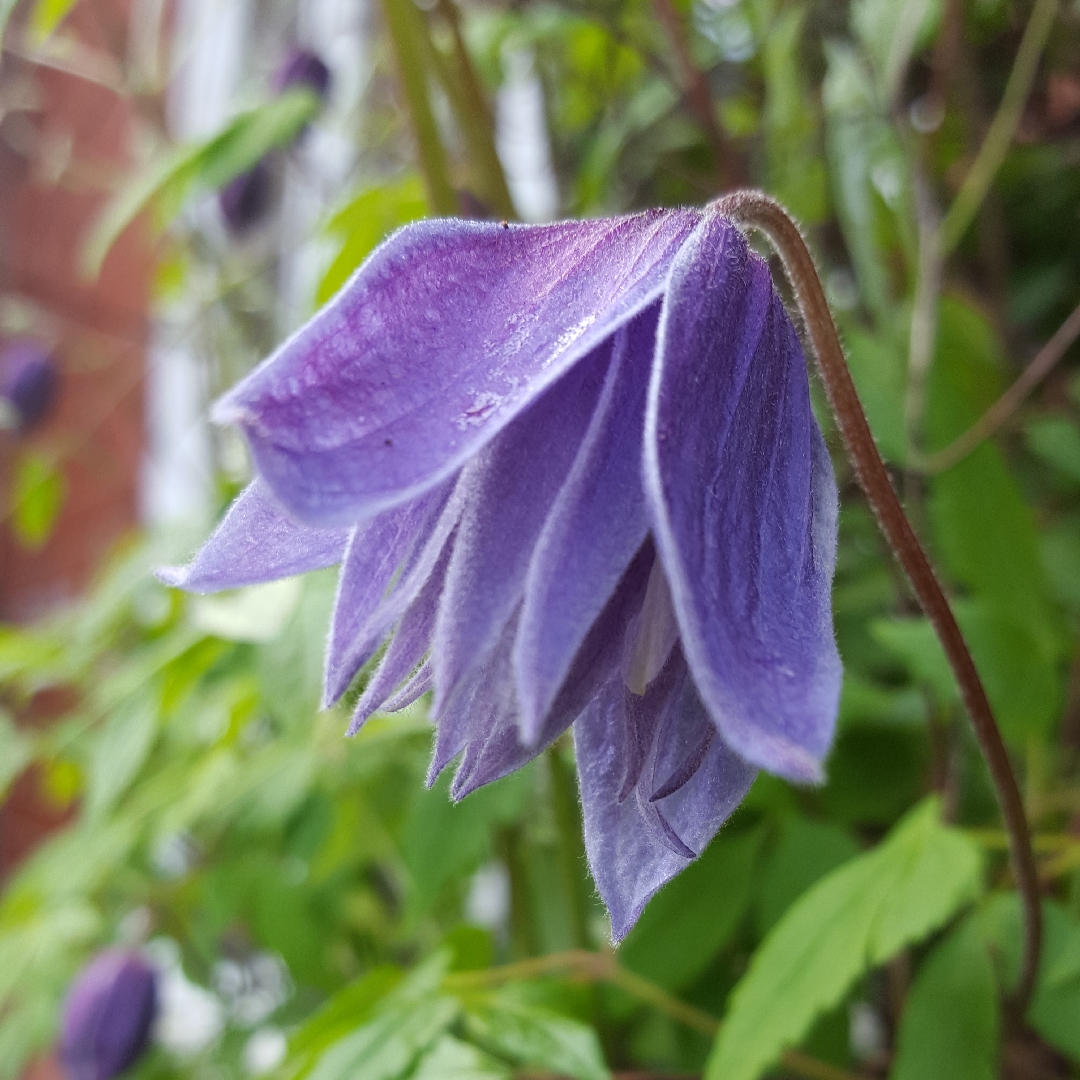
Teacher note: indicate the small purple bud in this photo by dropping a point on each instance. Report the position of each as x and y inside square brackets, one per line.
[109, 1010]
[245, 200]
[302, 68]
[27, 384]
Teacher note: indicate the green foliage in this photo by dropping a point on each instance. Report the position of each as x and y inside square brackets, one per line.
[950, 1025]
[178, 174]
[858, 916]
[219, 818]
[37, 497]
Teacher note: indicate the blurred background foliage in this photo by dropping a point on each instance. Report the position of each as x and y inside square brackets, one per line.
[314, 911]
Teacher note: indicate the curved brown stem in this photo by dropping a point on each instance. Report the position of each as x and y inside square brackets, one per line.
[755, 209]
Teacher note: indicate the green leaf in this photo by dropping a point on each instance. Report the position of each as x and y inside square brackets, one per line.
[1019, 674]
[120, 751]
[807, 851]
[364, 222]
[445, 841]
[858, 139]
[879, 367]
[855, 918]
[37, 497]
[1057, 441]
[535, 1037]
[46, 17]
[1055, 1006]
[684, 925]
[406, 1022]
[983, 530]
[208, 166]
[796, 168]
[340, 1015]
[452, 1059]
[15, 753]
[949, 1030]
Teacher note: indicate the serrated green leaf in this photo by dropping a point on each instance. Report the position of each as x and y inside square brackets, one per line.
[208, 166]
[37, 498]
[682, 927]
[855, 918]
[806, 852]
[536, 1037]
[341, 1014]
[452, 1059]
[406, 1022]
[949, 1030]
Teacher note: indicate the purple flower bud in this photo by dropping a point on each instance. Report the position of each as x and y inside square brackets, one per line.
[302, 68]
[245, 200]
[27, 384]
[107, 1016]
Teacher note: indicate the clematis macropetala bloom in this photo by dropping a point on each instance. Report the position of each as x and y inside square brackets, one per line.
[572, 476]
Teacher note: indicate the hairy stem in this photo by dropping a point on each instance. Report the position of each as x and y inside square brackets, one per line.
[757, 210]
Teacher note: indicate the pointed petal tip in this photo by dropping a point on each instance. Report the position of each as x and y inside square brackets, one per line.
[173, 576]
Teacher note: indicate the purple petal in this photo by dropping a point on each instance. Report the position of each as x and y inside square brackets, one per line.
[512, 485]
[411, 641]
[108, 1014]
[494, 750]
[408, 539]
[418, 684]
[442, 337]
[743, 504]
[596, 525]
[256, 542]
[635, 847]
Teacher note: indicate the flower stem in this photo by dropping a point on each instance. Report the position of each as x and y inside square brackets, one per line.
[603, 966]
[755, 209]
[404, 24]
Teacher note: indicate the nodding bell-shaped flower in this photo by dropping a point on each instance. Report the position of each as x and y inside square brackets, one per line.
[108, 1015]
[571, 472]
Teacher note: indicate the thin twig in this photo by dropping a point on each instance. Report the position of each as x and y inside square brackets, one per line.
[729, 167]
[603, 966]
[923, 335]
[1002, 128]
[1005, 407]
[758, 211]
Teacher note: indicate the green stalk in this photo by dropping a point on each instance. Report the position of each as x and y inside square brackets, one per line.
[471, 110]
[407, 35]
[1002, 128]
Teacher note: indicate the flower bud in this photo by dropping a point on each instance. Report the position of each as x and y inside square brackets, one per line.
[302, 68]
[27, 384]
[245, 200]
[108, 1014]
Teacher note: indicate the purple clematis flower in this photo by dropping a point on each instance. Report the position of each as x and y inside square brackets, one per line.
[108, 1015]
[571, 472]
